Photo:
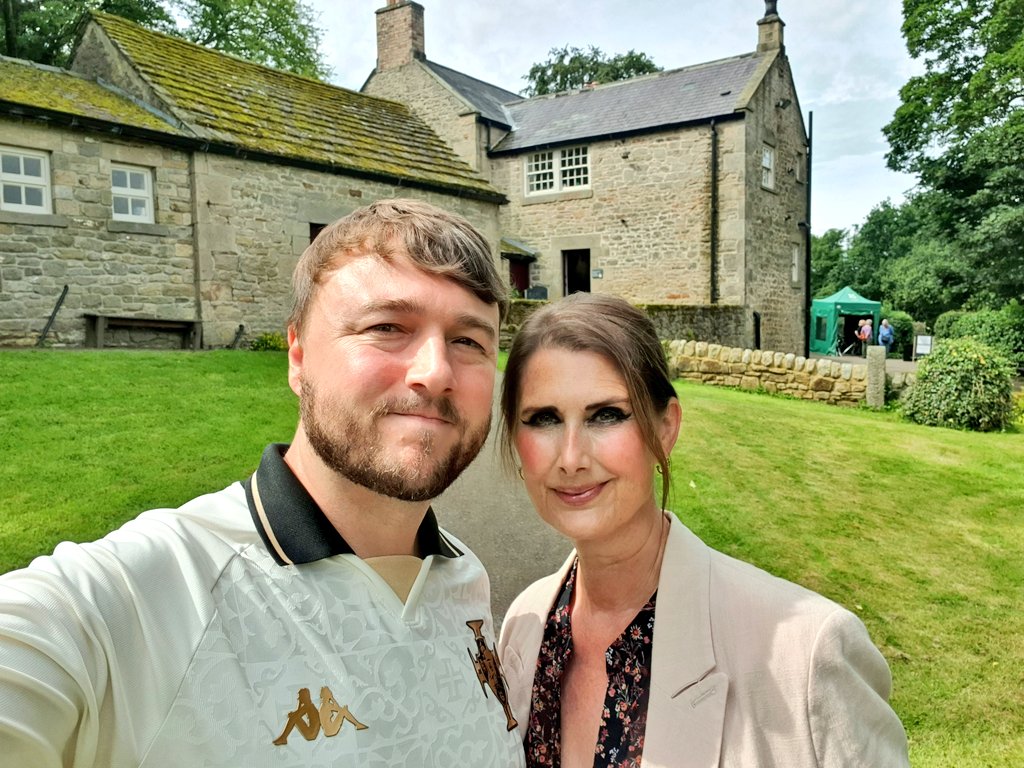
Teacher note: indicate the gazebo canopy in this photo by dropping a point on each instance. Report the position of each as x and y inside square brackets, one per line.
[828, 324]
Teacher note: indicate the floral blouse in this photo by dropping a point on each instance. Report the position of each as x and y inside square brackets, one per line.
[620, 739]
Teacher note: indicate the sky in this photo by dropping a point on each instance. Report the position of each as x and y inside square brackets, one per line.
[848, 61]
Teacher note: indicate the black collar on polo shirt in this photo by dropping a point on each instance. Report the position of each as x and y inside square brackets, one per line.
[295, 529]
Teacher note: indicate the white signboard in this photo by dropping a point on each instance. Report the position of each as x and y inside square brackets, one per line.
[922, 346]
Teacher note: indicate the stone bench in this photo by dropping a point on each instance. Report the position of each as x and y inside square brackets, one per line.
[96, 326]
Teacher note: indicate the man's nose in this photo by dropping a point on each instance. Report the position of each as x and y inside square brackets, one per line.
[430, 368]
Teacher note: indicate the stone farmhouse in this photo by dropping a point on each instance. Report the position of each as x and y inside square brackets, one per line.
[172, 188]
[688, 187]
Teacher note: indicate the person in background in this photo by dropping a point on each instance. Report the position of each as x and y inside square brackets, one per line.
[886, 336]
[647, 646]
[314, 614]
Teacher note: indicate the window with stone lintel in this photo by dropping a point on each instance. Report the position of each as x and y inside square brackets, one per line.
[24, 181]
[557, 170]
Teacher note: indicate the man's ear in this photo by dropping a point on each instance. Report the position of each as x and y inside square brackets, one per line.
[294, 360]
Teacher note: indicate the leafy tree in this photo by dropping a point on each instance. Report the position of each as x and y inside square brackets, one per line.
[828, 262]
[45, 31]
[571, 68]
[960, 128]
[279, 33]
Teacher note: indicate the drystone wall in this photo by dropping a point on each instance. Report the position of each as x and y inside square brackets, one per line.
[778, 372]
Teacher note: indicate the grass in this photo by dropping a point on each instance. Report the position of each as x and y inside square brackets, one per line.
[918, 530]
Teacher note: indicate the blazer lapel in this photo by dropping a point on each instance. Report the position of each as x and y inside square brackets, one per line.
[686, 711]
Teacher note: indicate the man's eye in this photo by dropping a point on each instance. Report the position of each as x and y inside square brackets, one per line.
[541, 419]
[609, 415]
[383, 328]
[468, 342]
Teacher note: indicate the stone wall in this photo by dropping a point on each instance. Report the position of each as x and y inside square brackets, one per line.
[254, 222]
[819, 379]
[646, 218]
[243, 222]
[724, 325]
[111, 267]
[773, 236]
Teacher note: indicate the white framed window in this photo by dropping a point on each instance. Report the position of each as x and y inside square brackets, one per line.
[557, 170]
[794, 267]
[768, 167]
[24, 180]
[132, 190]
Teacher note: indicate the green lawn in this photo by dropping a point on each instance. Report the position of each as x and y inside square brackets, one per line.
[918, 530]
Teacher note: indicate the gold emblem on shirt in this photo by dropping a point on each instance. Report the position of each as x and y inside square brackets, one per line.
[329, 717]
[488, 670]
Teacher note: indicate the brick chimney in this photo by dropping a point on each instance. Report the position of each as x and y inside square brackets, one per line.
[399, 34]
[769, 29]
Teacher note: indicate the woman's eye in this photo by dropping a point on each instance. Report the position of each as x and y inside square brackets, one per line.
[540, 419]
[609, 415]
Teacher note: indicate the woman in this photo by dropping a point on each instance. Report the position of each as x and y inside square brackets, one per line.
[648, 646]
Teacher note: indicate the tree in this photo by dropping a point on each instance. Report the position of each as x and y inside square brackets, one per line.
[45, 31]
[571, 68]
[960, 128]
[828, 260]
[280, 34]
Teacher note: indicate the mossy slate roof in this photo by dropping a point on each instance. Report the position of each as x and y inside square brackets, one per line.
[25, 84]
[234, 102]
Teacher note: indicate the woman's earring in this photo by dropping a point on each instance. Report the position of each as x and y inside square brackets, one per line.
[657, 468]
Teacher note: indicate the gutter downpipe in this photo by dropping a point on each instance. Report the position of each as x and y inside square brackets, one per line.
[807, 241]
[713, 272]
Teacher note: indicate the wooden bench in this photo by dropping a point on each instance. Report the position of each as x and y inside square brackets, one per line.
[191, 331]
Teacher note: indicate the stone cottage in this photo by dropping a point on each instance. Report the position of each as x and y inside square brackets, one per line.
[173, 187]
[686, 188]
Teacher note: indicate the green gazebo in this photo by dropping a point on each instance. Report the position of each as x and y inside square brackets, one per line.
[834, 320]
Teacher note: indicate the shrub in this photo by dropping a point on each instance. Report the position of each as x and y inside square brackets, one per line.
[903, 333]
[962, 384]
[269, 342]
[1003, 330]
[944, 323]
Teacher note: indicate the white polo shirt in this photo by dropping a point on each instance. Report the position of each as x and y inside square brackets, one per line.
[240, 630]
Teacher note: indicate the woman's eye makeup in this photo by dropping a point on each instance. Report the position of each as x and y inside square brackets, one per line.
[609, 415]
[542, 418]
[603, 416]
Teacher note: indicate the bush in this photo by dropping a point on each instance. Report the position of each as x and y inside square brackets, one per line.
[269, 342]
[962, 384]
[1003, 330]
[944, 324]
[903, 333]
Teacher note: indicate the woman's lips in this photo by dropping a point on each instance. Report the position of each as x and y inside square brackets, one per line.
[579, 496]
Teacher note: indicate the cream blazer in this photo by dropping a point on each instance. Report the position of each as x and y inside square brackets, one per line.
[747, 670]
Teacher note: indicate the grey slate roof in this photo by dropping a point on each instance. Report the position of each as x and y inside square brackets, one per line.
[483, 96]
[690, 94]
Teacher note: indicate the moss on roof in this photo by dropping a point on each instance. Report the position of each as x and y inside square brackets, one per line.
[235, 102]
[55, 90]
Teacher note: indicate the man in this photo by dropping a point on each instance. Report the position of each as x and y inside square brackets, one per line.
[315, 614]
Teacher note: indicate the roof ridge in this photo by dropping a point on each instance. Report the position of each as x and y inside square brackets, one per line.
[639, 78]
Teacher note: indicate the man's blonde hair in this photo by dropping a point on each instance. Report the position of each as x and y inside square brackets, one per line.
[435, 240]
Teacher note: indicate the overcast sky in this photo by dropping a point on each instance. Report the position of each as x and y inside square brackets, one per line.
[848, 60]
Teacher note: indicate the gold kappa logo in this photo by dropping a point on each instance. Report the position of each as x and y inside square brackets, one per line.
[309, 719]
[488, 670]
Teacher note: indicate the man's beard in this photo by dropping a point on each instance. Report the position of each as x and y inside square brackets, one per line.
[349, 442]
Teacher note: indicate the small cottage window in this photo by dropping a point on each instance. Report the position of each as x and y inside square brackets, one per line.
[557, 170]
[24, 181]
[132, 189]
[768, 167]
